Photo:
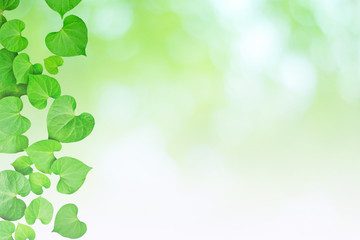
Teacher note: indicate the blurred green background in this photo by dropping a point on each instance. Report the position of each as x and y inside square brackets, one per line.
[216, 119]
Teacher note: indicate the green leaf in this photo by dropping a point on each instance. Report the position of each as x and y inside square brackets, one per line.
[2, 20]
[41, 209]
[8, 85]
[67, 223]
[40, 88]
[42, 154]
[23, 165]
[62, 6]
[52, 63]
[72, 174]
[71, 40]
[38, 181]
[9, 4]
[12, 144]
[6, 230]
[62, 123]
[12, 184]
[11, 122]
[24, 232]
[22, 68]
[10, 36]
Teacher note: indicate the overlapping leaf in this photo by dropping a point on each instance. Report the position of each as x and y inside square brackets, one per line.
[9, 4]
[12, 184]
[64, 125]
[24, 232]
[23, 68]
[72, 174]
[10, 35]
[67, 223]
[71, 40]
[23, 165]
[11, 121]
[41, 209]
[6, 230]
[53, 63]
[42, 154]
[62, 6]
[2, 20]
[38, 181]
[13, 144]
[40, 88]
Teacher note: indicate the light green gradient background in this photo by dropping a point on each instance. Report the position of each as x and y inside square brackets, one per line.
[216, 119]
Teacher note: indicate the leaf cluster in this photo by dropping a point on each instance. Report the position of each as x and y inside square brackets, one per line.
[21, 79]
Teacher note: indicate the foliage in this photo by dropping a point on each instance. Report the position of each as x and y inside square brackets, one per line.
[19, 78]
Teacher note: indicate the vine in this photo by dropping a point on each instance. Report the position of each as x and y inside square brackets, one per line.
[20, 78]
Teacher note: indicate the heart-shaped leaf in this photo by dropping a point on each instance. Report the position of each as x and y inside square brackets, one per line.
[24, 232]
[6, 230]
[12, 184]
[40, 88]
[10, 36]
[72, 174]
[52, 64]
[71, 40]
[38, 181]
[42, 154]
[9, 4]
[41, 209]
[8, 85]
[12, 144]
[11, 122]
[62, 123]
[67, 223]
[62, 6]
[23, 165]
[22, 68]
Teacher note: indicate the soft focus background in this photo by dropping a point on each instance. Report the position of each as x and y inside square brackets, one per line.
[216, 119]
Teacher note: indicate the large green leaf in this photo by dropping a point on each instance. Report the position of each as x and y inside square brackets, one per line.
[40, 88]
[71, 40]
[12, 184]
[38, 181]
[9, 4]
[62, 123]
[23, 68]
[11, 122]
[62, 6]
[53, 63]
[6, 230]
[41, 209]
[67, 223]
[72, 174]
[8, 85]
[24, 232]
[42, 154]
[23, 165]
[10, 35]
[13, 144]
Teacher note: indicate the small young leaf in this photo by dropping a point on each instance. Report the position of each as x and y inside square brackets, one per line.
[6, 230]
[11, 122]
[12, 184]
[12, 144]
[71, 40]
[8, 4]
[2, 20]
[40, 88]
[67, 223]
[8, 85]
[72, 174]
[38, 181]
[10, 36]
[23, 165]
[52, 63]
[24, 232]
[41, 209]
[42, 154]
[62, 6]
[22, 68]
[62, 123]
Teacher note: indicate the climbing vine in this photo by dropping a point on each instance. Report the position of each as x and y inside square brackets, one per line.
[20, 78]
